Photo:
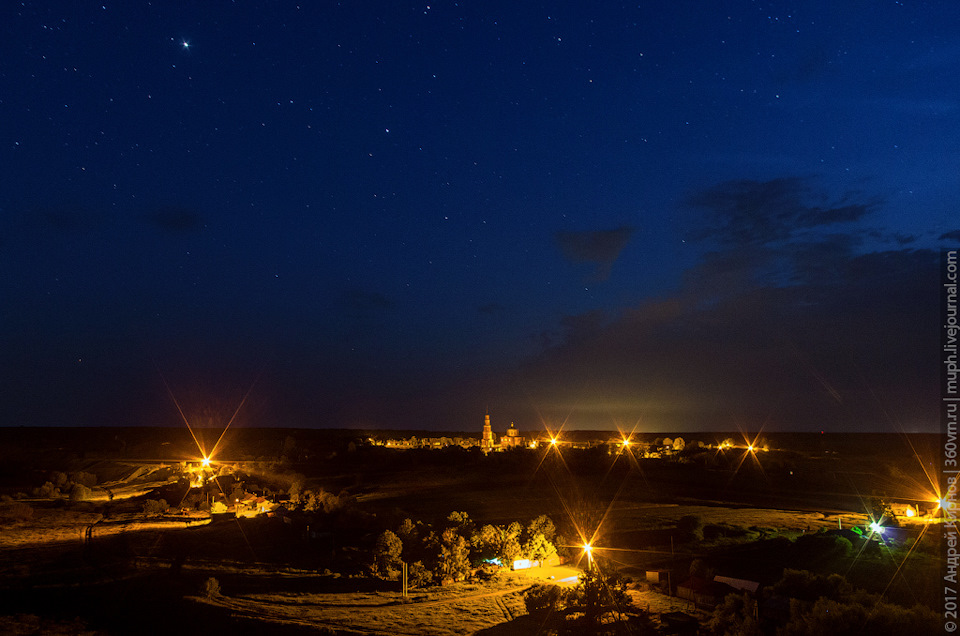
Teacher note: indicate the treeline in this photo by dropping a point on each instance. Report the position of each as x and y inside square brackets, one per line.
[457, 547]
[802, 603]
[76, 485]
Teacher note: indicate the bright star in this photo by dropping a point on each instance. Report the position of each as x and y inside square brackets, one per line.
[186, 44]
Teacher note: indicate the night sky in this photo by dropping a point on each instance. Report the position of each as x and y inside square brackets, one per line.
[668, 216]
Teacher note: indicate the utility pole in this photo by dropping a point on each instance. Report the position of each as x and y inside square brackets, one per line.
[403, 569]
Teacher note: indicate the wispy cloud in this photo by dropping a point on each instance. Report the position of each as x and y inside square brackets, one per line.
[600, 248]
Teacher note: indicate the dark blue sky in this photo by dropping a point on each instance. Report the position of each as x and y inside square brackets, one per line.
[680, 214]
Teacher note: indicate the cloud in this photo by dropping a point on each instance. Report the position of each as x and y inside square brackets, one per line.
[600, 248]
[950, 236]
[787, 321]
[746, 212]
[768, 356]
[175, 219]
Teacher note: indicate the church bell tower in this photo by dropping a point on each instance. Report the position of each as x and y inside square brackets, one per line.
[486, 440]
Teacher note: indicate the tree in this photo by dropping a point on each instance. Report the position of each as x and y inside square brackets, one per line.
[387, 555]
[211, 587]
[454, 559]
[538, 548]
[511, 537]
[417, 574]
[807, 586]
[541, 599]
[544, 525]
[691, 526]
[153, 507]
[735, 616]
[80, 493]
[827, 616]
[295, 491]
[407, 531]
[462, 522]
[599, 593]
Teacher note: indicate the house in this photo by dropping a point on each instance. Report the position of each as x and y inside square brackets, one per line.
[739, 584]
[703, 591]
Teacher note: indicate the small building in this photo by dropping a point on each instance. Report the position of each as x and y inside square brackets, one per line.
[703, 591]
[739, 584]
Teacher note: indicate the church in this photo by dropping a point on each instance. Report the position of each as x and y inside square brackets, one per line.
[488, 440]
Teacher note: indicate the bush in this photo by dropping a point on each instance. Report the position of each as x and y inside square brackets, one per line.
[827, 616]
[46, 491]
[542, 598]
[80, 493]
[822, 545]
[691, 526]
[418, 575]
[153, 507]
[211, 587]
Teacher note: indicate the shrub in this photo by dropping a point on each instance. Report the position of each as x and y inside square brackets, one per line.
[211, 587]
[387, 553]
[80, 493]
[691, 526]
[712, 532]
[46, 491]
[542, 598]
[418, 575]
[152, 507]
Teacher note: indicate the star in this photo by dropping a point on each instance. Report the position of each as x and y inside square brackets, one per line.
[185, 44]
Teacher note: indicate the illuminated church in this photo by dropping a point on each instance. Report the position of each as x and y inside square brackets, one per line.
[488, 440]
[513, 438]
